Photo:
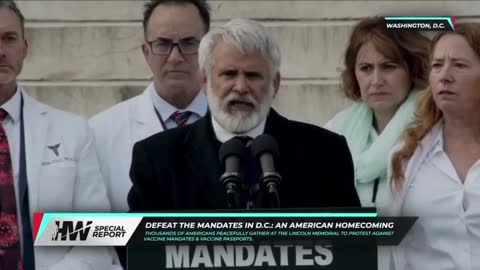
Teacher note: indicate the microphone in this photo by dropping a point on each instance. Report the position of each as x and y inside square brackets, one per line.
[230, 154]
[265, 148]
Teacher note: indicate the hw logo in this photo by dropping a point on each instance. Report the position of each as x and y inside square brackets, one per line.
[67, 229]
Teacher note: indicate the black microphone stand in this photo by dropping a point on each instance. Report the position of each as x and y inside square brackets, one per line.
[265, 149]
[270, 182]
[231, 154]
[231, 181]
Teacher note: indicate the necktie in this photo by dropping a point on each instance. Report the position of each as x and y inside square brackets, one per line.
[181, 118]
[9, 231]
[245, 139]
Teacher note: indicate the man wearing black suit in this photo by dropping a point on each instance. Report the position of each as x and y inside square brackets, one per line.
[179, 168]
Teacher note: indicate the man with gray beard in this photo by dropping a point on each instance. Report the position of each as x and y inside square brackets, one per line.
[180, 169]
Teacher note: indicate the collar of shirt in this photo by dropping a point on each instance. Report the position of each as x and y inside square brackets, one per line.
[437, 146]
[438, 156]
[225, 135]
[12, 106]
[165, 109]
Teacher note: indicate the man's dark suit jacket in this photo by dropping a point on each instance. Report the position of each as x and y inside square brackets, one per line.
[178, 169]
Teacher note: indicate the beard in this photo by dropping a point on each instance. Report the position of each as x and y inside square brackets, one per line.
[239, 122]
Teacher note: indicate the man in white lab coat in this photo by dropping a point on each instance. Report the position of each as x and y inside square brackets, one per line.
[47, 163]
[172, 32]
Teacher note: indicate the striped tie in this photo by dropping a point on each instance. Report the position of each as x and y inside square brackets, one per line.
[181, 118]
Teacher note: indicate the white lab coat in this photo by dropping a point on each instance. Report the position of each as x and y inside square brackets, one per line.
[116, 131]
[70, 181]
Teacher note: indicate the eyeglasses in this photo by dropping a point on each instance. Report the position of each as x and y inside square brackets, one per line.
[164, 46]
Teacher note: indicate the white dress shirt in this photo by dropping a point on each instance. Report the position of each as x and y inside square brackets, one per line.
[11, 125]
[225, 135]
[447, 233]
[198, 108]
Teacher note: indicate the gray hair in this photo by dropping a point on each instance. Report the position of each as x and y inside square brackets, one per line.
[10, 4]
[246, 35]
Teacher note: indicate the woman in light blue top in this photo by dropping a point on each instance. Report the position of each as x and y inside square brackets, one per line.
[384, 69]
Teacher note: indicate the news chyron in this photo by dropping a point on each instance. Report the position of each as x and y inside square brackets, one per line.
[420, 23]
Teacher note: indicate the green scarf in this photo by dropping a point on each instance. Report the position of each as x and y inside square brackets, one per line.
[356, 123]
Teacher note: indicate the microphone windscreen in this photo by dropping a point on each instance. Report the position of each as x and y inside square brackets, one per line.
[231, 147]
[265, 143]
